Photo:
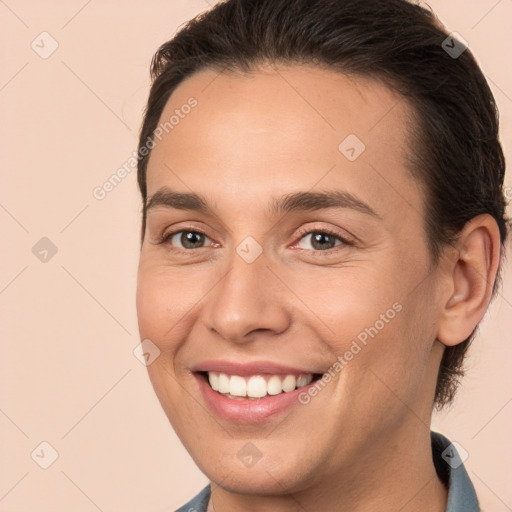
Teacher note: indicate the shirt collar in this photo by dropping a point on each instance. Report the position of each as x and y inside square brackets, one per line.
[450, 469]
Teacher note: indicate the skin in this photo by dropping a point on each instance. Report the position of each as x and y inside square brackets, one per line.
[363, 442]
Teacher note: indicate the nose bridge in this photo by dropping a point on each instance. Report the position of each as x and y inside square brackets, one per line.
[246, 298]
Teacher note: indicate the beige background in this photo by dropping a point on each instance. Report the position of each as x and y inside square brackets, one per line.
[68, 375]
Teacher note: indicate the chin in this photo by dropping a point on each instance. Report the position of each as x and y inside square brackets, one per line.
[257, 481]
[269, 475]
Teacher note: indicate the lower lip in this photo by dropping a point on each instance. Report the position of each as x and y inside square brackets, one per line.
[252, 410]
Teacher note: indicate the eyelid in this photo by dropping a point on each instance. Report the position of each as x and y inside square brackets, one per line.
[165, 231]
[346, 241]
[167, 235]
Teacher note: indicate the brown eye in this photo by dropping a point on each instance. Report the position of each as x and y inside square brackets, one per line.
[321, 240]
[185, 239]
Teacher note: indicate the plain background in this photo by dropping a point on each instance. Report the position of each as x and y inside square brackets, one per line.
[68, 375]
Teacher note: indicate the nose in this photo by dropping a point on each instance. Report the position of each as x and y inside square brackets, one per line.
[248, 299]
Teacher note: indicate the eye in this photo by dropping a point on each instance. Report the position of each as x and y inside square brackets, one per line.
[189, 239]
[322, 240]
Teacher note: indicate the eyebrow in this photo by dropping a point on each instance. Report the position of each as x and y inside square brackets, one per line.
[293, 202]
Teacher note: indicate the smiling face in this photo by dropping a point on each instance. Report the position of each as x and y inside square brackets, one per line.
[287, 249]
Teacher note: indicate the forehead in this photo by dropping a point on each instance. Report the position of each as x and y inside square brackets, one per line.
[282, 129]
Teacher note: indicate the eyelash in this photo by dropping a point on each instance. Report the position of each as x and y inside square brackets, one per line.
[324, 231]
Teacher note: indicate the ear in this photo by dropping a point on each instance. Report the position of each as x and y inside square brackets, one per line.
[470, 278]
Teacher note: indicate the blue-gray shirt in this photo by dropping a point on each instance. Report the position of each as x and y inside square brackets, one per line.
[451, 471]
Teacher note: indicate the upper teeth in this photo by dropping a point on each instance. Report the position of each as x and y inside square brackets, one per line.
[256, 386]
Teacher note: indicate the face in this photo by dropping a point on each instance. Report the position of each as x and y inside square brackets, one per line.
[299, 275]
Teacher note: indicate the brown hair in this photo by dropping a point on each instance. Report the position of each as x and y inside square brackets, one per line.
[455, 148]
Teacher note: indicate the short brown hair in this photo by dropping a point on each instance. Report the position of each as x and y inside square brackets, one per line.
[455, 148]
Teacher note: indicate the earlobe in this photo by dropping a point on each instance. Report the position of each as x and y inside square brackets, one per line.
[471, 274]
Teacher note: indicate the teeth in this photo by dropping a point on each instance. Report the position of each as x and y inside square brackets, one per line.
[289, 383]
[256, 386]
[302, 380]
[237, 386]
[223, 383]
[214, 381]
[274, 386]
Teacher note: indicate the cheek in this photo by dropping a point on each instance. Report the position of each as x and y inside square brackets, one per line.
[162, 318]
[392, 368]
[350, 300]
[151, 308]
[165, 303]
[379, 333]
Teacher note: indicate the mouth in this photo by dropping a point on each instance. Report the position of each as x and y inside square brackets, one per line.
[252, 392]
[257, 386]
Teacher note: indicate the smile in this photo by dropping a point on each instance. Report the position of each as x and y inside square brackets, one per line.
[251, 392]
[256, 386]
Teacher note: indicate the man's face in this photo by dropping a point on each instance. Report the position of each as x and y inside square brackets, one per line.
[266, 292]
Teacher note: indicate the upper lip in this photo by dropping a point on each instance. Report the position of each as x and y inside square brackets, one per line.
[249, 368]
